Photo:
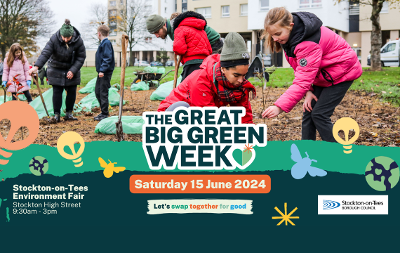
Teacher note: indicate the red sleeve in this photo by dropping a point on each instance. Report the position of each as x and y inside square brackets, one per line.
[308, 56]
[180, 46]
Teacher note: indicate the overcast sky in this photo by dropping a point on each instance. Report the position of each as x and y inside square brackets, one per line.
[74, 10]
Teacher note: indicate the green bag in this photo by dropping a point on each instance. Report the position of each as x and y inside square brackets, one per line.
[164, 90]
[48, 100]
[140, 86]
[90, 86]
[130, 125]
[116, 85]
[8, 98]
[161, 71]
[150, 69]
[90, 101]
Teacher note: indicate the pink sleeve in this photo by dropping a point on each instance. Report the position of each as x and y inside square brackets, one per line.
[26, 70]
[6, 70]
[308, 56]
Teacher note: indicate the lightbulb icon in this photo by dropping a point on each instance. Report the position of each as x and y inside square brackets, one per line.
[346, 124]
[69, 139]
[19, 114]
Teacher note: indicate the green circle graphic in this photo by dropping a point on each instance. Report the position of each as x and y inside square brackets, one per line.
[382, 173]
[38, 166]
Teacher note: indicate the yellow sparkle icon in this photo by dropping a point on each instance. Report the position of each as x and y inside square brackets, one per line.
[285, 217]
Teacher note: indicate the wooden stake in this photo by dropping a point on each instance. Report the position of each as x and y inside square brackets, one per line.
[177, 63]
[120, 132]
[40, 94]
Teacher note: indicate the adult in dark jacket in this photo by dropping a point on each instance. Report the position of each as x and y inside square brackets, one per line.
[65, 54]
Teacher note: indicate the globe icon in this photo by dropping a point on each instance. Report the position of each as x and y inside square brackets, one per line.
[38, 166]
[382, 173]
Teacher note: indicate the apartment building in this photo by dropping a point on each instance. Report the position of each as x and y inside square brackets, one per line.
[147, 49]
[390, 25]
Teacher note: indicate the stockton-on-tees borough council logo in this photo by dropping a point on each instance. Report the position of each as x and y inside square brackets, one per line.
[330, 204]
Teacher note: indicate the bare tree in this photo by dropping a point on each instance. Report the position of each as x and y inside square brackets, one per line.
[376, 33]
[98, 14]
[132, 21]
[24, 21]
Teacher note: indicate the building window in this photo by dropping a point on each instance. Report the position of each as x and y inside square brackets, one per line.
[354, 9]
[113, 23]
[206, 12]
[310, 4]
[113, 13]
[121, 2]
[225, 11]
[113, 3]
[385, 7]
[113, 42]
[113, 33]
[184, 5]
[243, 10]
[264, 5]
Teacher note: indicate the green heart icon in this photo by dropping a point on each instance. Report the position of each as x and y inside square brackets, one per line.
[242, 157]
[237, 155]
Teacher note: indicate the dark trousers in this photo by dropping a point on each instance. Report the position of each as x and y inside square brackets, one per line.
[101, 90]
[69, 101]
[42, 81]
[26, 93]
[188, 69]
[320, 116]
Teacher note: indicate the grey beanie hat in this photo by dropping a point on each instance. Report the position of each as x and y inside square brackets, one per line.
[154, 23]
[234, 48]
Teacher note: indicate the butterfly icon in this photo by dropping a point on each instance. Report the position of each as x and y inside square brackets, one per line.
[303, 165]
[109, 168]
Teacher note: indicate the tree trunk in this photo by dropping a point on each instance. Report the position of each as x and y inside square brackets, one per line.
[376, 35]
[131, 58]
[3, 51]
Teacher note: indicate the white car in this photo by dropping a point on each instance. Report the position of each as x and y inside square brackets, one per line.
[141, 64]
[390, 54]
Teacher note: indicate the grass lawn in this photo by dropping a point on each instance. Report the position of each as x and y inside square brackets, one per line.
[385, 83]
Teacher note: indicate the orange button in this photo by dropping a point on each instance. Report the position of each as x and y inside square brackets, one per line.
[200, 184]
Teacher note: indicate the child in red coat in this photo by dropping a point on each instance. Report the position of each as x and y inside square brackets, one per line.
[191, 41]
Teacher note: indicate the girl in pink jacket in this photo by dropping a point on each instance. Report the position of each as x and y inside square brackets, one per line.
[324, 66]
[16, 63]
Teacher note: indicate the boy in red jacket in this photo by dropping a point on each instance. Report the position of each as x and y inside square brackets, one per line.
[191, 41]
[219, 82]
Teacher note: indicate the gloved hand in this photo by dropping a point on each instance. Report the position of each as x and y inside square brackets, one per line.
[4, 83]
[28, 83]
